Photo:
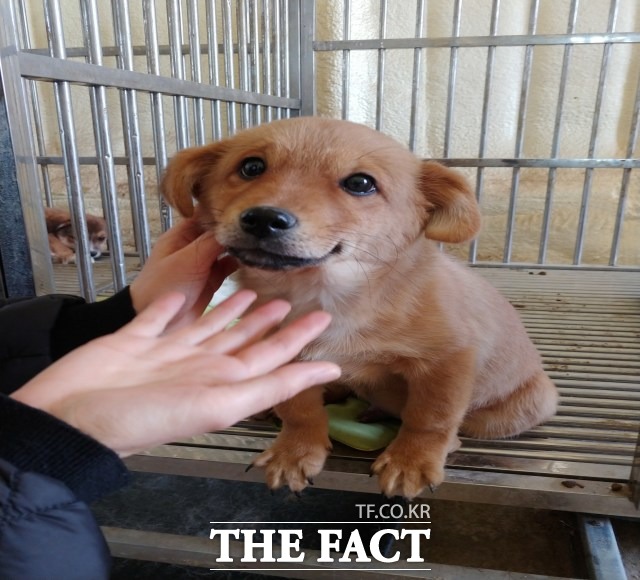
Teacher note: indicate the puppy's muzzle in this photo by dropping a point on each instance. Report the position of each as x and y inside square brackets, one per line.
[267, 222]
[269, 240]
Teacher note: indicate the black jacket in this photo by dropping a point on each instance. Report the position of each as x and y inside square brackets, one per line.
[49, 471]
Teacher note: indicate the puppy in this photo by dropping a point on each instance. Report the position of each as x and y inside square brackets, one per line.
[333, 215]
[62, 240]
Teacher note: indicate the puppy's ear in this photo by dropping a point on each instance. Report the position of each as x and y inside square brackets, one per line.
[453, 214]
[182, 179]
[63, 226]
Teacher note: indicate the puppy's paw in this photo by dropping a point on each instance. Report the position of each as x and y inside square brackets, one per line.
[293, 459]
[409, 465]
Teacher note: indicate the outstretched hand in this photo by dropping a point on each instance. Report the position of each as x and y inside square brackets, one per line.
[142, 386]
[185, 260]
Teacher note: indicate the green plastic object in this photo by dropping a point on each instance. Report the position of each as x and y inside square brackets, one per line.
[345, 428]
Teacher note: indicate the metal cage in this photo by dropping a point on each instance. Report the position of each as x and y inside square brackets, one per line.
[96, 99]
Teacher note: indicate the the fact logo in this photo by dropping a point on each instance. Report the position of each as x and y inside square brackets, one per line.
[282, 542]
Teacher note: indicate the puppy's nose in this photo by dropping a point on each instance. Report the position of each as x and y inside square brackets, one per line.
[267, 222]
[95, 253]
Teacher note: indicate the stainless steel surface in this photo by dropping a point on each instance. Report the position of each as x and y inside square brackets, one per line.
[624, 190]
[604, 561]
[478, 41]
[68, 142]
[22, 138]
[104, 150]
[484, 123]
[519, 139]
[586, 327]
[595, 126]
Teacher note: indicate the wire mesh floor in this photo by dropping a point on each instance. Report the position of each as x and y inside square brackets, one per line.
[586, 325]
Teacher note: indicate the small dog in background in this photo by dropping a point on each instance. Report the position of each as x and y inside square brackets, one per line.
[62, 240]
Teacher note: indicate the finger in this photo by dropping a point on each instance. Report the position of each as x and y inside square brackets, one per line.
[250, 329]
[177, 237]
[153, 320]
[247, 398]
[215, 320]
[284, 345]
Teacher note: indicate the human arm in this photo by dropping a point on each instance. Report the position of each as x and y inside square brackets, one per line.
[124, 392]
[36, 332]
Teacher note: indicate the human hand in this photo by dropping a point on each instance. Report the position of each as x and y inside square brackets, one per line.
[142, 386]
[183, 260]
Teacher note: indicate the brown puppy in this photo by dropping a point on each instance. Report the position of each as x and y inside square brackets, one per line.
[333, 215]
[62, 240]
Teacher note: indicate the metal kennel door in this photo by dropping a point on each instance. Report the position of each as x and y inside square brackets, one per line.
[99, 94]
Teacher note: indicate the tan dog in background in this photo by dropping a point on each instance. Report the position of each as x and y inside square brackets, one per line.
[332, 215]
[62, 240]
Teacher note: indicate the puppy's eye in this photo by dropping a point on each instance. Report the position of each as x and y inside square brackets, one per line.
[360, 184]
[251, 167]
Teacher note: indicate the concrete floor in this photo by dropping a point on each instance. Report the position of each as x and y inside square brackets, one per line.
[497, 538]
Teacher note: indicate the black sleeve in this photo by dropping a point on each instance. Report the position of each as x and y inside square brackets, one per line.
[33, 440]
[49, 471]
[78, 323]
[35, 332]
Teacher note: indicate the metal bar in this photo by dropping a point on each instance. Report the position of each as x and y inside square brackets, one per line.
[416, 83]
[634, 478]
[24, 152]
[626, 178]
[227, 43]
[157, 112]
[284, 54]
[478, 41]
[256, 63]
[461, 483]
[604, 561]
[381, 67]
[557, 162]
[196, 69]
[64, 105]
[410, 43]
[522, 115]
[551, 180]
[346, 59]
[277, 54]
[450, 162]
[243, 58]
[47, 69]
[32, 89]
[484, 125]
[267, 79]
[181, 117]
[451, 84]
[104, 151]
[132, 135]
[595, 125]
[214, 66]
[305, 63]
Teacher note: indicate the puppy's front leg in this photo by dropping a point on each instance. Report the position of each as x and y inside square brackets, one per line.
[437, 400]
[301, 448]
